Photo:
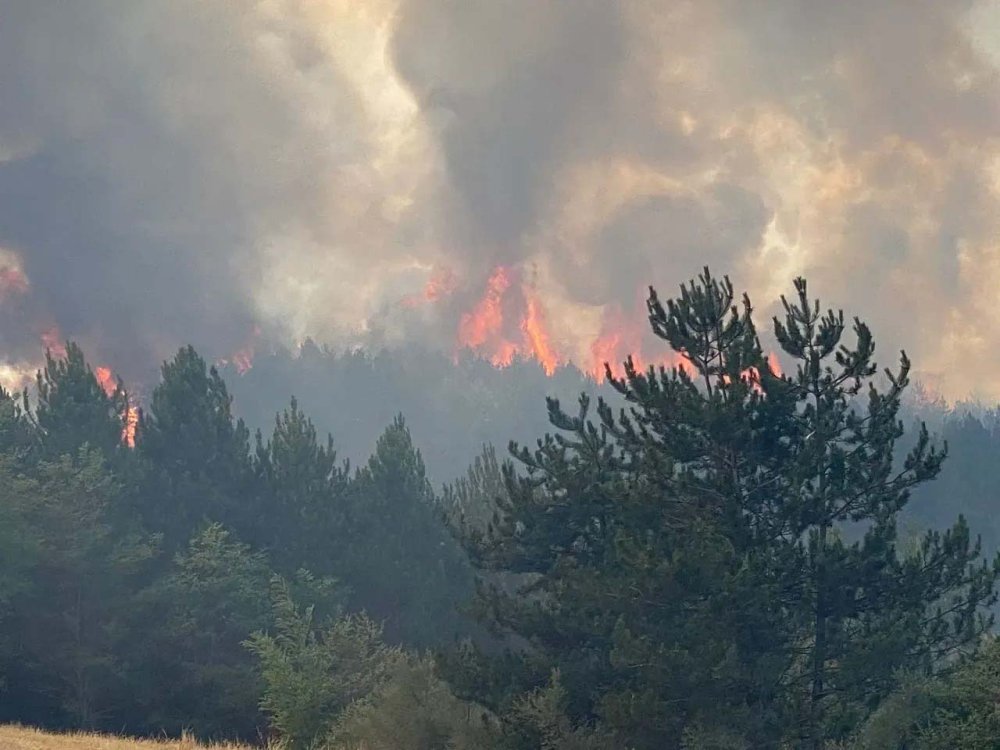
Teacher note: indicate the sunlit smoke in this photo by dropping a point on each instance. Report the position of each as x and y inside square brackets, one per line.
[53, 342]
[110, 384]
[365, 173]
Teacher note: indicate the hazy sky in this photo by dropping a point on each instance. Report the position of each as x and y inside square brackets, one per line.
[247, 173]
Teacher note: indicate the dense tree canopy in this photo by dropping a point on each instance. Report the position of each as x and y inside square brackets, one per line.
[715, 554]
[725, 551]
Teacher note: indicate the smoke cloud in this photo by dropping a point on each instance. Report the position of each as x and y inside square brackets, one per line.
[237, 174]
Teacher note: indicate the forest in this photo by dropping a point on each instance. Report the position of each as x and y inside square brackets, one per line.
[715, 555]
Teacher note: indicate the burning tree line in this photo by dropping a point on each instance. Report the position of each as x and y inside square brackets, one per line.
[718, 566]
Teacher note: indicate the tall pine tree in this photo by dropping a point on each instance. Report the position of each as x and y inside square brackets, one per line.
[198, 454]
[302, 493]
[398, 559]
[74, 408]
[724, 552]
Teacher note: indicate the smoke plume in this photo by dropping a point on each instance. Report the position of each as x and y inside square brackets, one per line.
[242, 175]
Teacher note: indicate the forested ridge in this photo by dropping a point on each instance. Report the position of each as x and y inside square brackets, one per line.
[717, 555]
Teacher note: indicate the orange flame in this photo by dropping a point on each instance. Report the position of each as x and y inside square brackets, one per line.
[533, 326]
[242, 359]
[774, 364]
[618, 339]
[621, 336]
[441, 283]
[483, 330]
[504, 354]
[131, 422]
[53, 341]
[486, 319]
[107, 380]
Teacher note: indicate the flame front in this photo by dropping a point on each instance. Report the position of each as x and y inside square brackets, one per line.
[533, 327]
[107, 380]
[488, 329]
[131, 423]
[482, 329]
[242, 359]
[484, 323]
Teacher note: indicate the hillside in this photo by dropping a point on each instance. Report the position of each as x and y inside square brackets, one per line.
[26, 738]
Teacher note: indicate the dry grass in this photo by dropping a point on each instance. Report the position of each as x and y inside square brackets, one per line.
[26, 738]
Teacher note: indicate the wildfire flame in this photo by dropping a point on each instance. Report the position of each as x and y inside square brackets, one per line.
[441, 284]
[533, 326]
[488, 330]
[774, 364]
[242, 359]
[486, 319]
[482, 329]
[131, 423]
[107, 380]
[53, 342]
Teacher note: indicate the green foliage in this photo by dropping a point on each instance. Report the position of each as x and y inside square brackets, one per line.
[402, 565]
[718, 566]
[190, 670]
[197, 454]
[869, 609]
[954, 710]
[453, 406]
[540, 718]
[472, 500]
[68, 619]
[302, 492]
[313, 671]
[16, 430]
[970, 475]
[724, 553]
[413, 710]
[73, 407]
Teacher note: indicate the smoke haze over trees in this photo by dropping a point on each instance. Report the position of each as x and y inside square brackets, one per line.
[246, 176]
[740, 556]
[337, 411]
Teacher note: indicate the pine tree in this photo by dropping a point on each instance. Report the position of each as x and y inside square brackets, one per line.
[19, 552]
[723, 554]
[302, 494]
[17, 434]
[472, 499]
[73, 407]
[871, 608]
[198, 455]
[399, 561]
[810, 467]
[69, 617]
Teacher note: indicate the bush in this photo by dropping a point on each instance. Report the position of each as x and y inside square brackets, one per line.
[413, 710]
[313, 672]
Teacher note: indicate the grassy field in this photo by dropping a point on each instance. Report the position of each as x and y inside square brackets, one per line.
[25, 738]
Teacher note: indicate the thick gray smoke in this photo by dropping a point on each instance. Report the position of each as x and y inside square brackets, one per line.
[236, 174]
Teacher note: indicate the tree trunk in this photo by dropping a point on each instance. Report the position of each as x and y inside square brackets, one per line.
[819, 644]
